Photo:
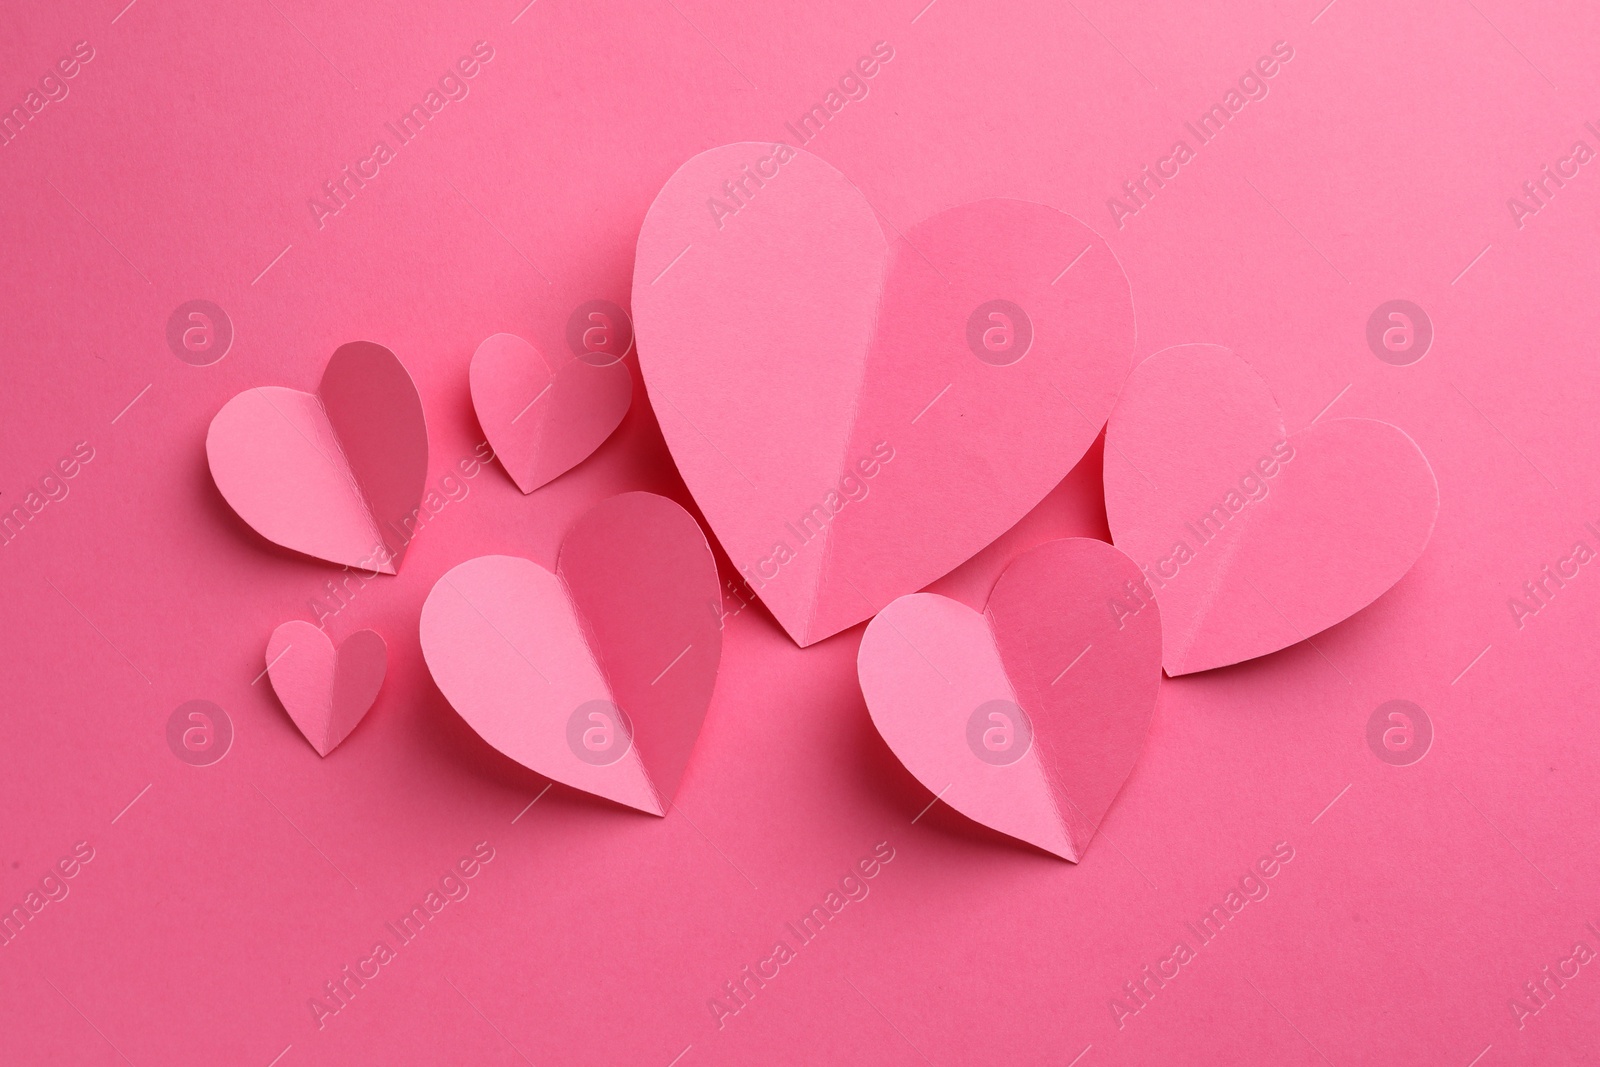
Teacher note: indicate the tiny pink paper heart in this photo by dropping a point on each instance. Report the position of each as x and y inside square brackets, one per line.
[597, 675]
[326, 692]
[336, 474]
[1253, 538]
[857, 411]
[1029, 717]
[542, 421]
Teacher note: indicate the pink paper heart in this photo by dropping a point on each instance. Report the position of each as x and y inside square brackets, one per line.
[326, 692]
[542, 421]
[598, 675]
[336, 474]
[1253, 538]
[1029, 717]
[857, 415]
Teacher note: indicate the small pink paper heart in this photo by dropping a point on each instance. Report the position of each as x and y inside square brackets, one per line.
[1253, 538]
[1029, 717]
[597, 675]
[541, 420]
[336, 474]
[825, 384]
[326, 692]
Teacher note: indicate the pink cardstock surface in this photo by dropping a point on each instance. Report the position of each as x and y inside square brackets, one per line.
[1373, 847]
[1028, 717]
[826, 388]
[1253, 538]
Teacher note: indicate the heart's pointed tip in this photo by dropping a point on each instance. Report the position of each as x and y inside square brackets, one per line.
[815, 632]
[1189, 665]
[522, 481]
[1070, 850]
[1177, 664]
[661, 803]
[804, 636]
[653, 806]
[1062, 844]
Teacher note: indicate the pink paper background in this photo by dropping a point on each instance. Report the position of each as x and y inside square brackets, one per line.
[223, 898]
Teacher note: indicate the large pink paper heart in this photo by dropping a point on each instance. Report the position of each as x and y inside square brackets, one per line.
[598, 675]
[541, 420]
[1253, 538]
[336, 474]
[326, 692]
[857, 415]
[1029, 717]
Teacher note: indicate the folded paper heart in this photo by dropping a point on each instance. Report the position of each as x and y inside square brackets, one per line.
[1029, 717]
[336, 474]
[856, 415]
[326, 692]
[544, 420]
[1252, 538]
[597, 675]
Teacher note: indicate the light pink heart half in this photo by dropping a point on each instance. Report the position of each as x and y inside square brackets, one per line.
[1252, 538]
[336, 474]
[1029, 717]
[600, 674]
[543, 421]
[326, 692]
[850, 418]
